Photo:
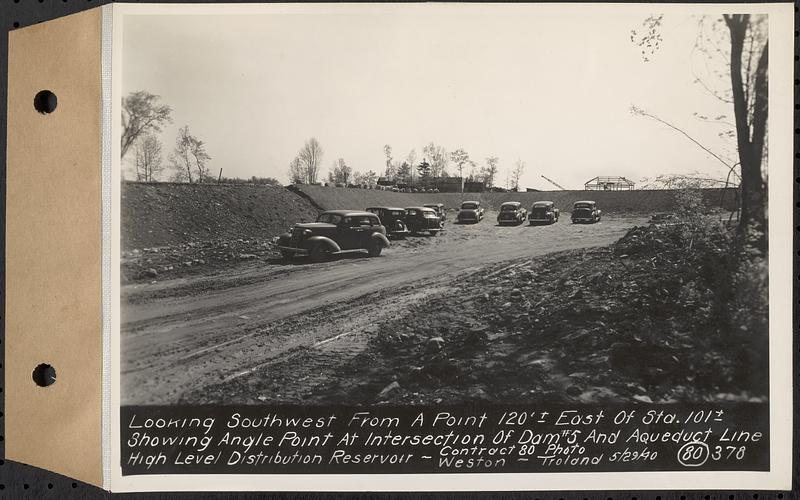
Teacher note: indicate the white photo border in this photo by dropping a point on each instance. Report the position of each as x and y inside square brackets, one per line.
[780, 191]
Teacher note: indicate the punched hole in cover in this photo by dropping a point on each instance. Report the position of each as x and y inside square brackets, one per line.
[45, 102]
[44, 375]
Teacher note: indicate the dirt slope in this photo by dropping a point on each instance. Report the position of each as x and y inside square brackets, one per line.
[620, 202]
[164, 214]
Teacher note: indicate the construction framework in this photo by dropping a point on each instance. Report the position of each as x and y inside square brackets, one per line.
[609, 183]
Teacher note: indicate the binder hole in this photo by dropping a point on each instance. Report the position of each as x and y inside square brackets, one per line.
[45, 102]
[44, 375]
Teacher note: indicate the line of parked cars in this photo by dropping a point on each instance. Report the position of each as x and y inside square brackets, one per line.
[343, 231]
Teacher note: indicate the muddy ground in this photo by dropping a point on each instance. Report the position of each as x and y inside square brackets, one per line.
[616, 311]
[259, 330]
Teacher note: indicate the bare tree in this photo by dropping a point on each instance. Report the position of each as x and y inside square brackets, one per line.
[310, 157]
[460, 158]
[142, 114]
[197, 148]
[391, 168]
[181, 157]
[438, 159]
[490, 170]
[147, 158]
[189, 159]
[341, 173]
[297, 174]
[370, 178]
[411, 159]
[519, 168]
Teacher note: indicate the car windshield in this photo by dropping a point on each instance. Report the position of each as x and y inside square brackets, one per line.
[329, 218]
[508, 208]
[541, 205]
[411, 211]
[429, 213]
[396, 213]
[469, 206]
[360, 220]
[583, 205]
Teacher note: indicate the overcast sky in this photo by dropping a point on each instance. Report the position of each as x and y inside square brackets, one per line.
[551, 89]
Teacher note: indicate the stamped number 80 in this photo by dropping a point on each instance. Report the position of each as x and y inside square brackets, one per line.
[693, 454]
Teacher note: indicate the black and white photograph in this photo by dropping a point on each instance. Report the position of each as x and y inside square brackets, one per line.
[435, 209]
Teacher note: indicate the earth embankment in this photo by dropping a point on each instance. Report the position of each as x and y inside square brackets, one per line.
[617, 202]
[165, 214]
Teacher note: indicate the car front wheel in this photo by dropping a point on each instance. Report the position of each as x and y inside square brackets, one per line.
[319, 253]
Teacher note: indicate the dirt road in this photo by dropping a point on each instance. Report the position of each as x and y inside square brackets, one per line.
[180, 336]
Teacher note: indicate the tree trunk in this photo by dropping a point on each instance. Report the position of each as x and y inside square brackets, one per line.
[750, 147]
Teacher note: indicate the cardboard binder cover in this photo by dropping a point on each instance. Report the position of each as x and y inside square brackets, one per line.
[53, 252]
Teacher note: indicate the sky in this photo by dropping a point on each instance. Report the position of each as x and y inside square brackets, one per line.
[551, 88]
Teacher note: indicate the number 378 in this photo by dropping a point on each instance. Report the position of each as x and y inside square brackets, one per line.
[728, 452]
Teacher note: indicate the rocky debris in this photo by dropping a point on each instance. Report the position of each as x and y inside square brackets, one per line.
[574, 390]
[388, 390]
[193, 257]
[436, 343]
[592, 328]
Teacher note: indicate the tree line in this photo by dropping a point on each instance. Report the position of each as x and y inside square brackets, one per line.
[434, 162]
[143, 116]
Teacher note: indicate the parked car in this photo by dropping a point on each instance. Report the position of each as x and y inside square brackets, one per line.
[543, 212]
[511, 212]
[423, 220]
[335, 232]
[585, 211]
[439, 209]
[393, 219]
[470, 211]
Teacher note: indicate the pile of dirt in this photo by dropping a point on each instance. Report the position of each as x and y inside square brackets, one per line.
[164, 214]
[173, 229]
[644, 320]
[612, 202]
